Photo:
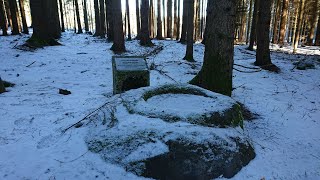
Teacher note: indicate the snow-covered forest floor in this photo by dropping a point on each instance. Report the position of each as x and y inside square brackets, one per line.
[285, 134]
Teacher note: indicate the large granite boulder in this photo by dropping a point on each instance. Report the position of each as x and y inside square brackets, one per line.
[188, 146]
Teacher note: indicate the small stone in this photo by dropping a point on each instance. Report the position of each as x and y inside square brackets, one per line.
[64, 92]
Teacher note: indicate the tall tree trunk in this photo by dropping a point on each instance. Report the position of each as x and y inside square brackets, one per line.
[243, 18]
[317, 42]
[296, 17]
[61, 16]
[144, 36]
[184, 23]
[263, 30]
[159, 22]
[3, 19]
[97, 18]
[276, 23]
[85, 16]
[197, 20]
[74, 17]
[14, 17]
[283, 22]
[216, 72]
[164, 22]
[138, 18]
[190, 30]
[78, 17]
[151, 19]
[178, 21]
[110, 21]
[299, 25]
[169, 17]
[23, 17]
[102, 19]
[7, 8]
[253, 33]
[118, 43]
[313, 22]
[175, 17]
[249, 21]
[128, 19]
[45, 22]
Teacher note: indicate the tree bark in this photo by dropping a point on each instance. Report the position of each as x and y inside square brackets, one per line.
[253, 33]
[283, 22]
[159, 22]
[178, 21]
[128, 19]
[61, 16]
[45, 23]
[138, 18]
[110, 32]
[118, 43]
[249, 21]
[313, 23]
[85, 16]
[216, 72]
[144, 36]
[190, 30]
[169, 17]
[184, 23]
[197, 20]
[7, 8]
[97, 18]
[276, 23]
[175, 17]
[23, 17]
[3, 19]
[15, 29]
[78, 17]
[102, 19]
[299, 25]
[151, 19]
[263, 30]
[317, 42]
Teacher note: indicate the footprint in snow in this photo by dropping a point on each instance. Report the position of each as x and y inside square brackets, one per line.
[48, 141]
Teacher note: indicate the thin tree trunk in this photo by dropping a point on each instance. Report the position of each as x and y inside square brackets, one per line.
[78, 17]
[178, 21]
[3, 19]
[102, 19]
[144, 36]
[197, 20]
[263, 30]
[7, 8]
[23, 17]
[151, 19]
[164, 18]
[175, 17]
[110, 21]
[190, 31]
[97, 18]
[249, 21]
[128, 19]
[138, 18]
[159, 22]
[61, 16]
[253, 33]
[296, 17]
[313, 23]
[85, 16]
[298, 28]
[317, 42]
[276, 23]
[118, 43]
[15, 29]
[216, 72]
[283, 22]
[169, 17]
[184, 23]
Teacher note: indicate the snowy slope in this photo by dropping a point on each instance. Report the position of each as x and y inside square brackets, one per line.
[32, 114]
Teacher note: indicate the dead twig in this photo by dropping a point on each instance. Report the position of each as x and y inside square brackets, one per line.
[31, 64]
[73, 159]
